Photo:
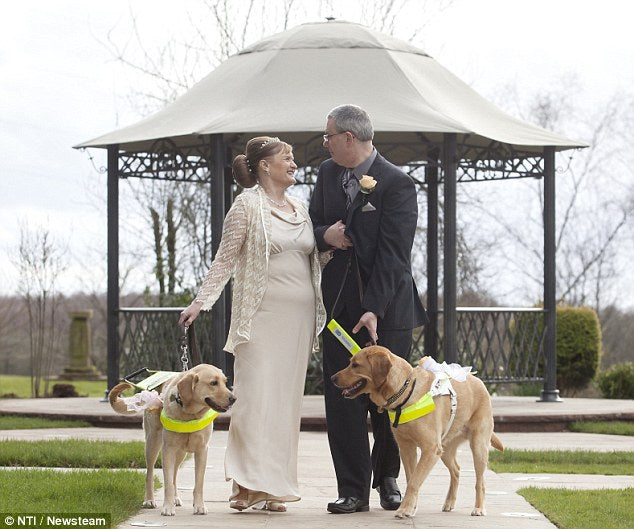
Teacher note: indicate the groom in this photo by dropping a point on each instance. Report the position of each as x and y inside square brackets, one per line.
[368, 288]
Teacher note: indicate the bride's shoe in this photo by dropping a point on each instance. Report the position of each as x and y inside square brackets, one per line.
[275, 506]
[252, 498]
[239, 505]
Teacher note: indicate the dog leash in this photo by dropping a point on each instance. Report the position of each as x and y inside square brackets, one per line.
[333, 326]
[184, 347]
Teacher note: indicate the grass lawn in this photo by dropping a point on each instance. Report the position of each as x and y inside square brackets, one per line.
[563, 462]
[73, 453]
[11, 422]
[21, 386]
[604, 427]
[118, 493]
[583, 509]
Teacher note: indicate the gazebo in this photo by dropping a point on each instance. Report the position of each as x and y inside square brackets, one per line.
[425, 118]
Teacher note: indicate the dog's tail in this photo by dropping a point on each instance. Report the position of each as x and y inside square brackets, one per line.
[496, 443]
[116, 403]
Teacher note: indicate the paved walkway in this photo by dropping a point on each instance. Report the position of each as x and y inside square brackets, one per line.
[505, 508]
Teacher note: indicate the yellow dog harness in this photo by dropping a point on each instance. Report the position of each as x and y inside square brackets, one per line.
[174, 425]
[420, 408]
[425, 405]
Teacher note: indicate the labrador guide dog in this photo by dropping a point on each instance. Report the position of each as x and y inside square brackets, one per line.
[187, 398]
[394, 385]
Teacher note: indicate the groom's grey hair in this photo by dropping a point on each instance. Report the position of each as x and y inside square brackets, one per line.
[351, 118]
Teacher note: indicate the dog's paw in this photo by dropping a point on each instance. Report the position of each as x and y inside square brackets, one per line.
[478, 512]
[168, 510]
[149, 504]
[448, 507]
[177, 501]
[200, 509]
[405, 513]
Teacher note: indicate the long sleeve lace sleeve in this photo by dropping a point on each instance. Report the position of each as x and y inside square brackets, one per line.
[234, 233]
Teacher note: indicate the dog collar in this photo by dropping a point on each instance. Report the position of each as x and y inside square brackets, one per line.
[195, 425]
[398, 394]
[420, 408]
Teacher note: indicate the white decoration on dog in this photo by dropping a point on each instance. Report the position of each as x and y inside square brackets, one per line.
[453, 371]
[144, 400]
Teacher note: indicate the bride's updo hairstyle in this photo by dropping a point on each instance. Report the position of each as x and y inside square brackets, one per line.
[245, 166]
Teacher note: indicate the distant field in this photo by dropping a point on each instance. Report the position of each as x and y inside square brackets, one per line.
[21, 386]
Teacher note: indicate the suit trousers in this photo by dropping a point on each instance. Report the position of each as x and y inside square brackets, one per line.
[347, 419]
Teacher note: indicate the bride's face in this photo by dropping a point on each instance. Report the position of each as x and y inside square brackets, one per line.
[281, 169]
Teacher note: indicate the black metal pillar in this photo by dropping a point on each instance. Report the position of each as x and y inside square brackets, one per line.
[431, 329]
[550, 393]
[449, 163]
[113, 267]
[217, 169]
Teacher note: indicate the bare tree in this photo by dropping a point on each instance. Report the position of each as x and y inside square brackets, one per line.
[40, 262]
[594, 205]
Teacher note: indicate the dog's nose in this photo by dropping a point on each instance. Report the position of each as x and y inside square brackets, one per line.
[232, 399]
[333, 379]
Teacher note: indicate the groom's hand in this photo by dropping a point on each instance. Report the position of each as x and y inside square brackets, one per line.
[335, 236]
[367, 320]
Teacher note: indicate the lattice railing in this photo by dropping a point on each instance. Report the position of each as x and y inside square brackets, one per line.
[151, 337]
[502, 344]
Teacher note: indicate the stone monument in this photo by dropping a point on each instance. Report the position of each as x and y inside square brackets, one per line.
[79, 349]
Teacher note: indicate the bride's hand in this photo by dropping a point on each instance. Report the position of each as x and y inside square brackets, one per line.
[190, 313]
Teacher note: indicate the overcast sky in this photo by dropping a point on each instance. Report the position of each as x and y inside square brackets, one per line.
[59, 86]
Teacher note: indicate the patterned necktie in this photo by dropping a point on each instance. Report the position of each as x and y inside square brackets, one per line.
[350, 187]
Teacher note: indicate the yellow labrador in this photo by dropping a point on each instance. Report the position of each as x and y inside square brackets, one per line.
[388, 380]
[188, 396]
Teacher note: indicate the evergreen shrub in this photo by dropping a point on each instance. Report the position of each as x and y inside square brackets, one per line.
[617, 382]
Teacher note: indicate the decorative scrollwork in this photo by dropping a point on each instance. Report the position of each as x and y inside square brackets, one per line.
[166, 161]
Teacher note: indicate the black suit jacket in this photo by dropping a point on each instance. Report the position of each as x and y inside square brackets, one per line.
[382, 239]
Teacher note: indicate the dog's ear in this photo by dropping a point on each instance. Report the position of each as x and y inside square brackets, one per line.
[380, 365]
[186, 387]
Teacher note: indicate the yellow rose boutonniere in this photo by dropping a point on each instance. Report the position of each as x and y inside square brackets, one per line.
[367, 184]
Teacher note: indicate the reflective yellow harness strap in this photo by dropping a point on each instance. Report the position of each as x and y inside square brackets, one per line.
[420, 408]
[174, 425]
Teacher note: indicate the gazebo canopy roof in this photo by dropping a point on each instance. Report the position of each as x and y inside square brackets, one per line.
[286, 84]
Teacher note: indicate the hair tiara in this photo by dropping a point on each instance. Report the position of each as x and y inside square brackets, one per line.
[270, 140]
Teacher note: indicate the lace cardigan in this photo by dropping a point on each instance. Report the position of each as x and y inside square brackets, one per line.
[244, 251]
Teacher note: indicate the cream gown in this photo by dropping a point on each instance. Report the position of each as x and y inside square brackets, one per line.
[270, 370]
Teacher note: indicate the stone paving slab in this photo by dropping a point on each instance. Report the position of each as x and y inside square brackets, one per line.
[505, 508]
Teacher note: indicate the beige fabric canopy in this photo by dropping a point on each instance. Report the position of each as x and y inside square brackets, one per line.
[286, 84]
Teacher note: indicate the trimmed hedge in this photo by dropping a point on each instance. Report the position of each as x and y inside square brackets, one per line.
[578, 348]
[617, 382]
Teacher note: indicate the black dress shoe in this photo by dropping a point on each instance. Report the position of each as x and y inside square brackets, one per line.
[348, 505]
[389, 494]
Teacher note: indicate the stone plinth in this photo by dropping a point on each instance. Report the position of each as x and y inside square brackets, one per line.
[79, 349]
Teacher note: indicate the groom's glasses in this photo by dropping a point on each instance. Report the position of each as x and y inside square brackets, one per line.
[328, 136]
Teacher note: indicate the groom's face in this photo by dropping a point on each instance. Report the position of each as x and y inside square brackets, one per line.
[336, 142]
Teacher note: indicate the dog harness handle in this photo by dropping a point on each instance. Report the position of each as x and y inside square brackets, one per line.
[344, 338]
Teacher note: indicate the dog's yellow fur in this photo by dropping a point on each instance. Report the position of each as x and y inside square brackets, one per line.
[198, 389]
[381, 374]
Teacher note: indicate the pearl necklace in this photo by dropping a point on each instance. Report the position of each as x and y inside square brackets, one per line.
[282, 204]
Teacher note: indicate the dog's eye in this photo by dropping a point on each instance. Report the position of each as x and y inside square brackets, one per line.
[354, 364]
[214, 382]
